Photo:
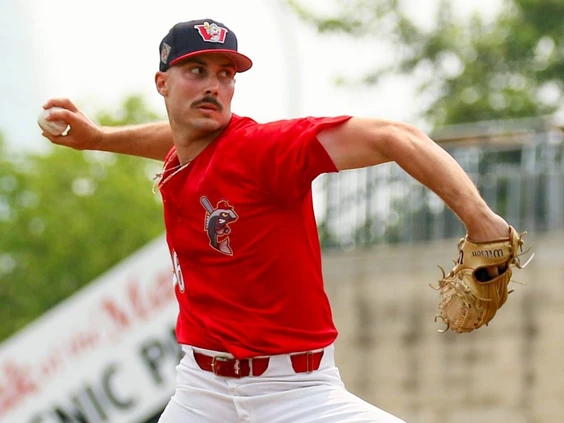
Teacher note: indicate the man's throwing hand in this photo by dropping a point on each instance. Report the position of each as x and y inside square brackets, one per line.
[83, 133]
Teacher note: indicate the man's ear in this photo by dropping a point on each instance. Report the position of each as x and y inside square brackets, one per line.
[161, 82]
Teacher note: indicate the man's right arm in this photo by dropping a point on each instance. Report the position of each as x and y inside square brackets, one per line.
[150, 140]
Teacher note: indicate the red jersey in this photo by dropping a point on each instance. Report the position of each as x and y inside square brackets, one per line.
[243, 238]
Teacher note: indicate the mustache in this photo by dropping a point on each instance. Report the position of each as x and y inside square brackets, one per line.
[208, 100]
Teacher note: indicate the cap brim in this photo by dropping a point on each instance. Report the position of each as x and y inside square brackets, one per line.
[242, 62]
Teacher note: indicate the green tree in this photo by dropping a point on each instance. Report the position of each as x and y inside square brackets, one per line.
[470, 70]
[68, 216]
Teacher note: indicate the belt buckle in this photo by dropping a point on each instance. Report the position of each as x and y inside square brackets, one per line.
[224, 358]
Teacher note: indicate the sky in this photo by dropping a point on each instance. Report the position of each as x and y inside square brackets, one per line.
[98, 53]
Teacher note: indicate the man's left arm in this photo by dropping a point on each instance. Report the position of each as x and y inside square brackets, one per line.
[363, 142]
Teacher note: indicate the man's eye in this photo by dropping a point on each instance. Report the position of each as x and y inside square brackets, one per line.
[196, 71]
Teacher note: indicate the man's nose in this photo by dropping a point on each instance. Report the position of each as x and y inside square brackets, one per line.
[213, 87]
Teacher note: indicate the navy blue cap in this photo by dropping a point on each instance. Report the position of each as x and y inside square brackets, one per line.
[187, 39]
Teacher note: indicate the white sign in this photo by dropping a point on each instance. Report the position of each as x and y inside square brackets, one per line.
[107, 354]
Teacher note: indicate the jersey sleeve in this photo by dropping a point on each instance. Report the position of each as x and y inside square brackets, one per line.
[288, 155]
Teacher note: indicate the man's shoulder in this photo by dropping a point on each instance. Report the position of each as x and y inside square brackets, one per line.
[246, 128]
[245, 132]
[247, 125]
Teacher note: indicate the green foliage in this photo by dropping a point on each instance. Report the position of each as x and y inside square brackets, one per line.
[470, 70]
[133, 110]
[68, 216]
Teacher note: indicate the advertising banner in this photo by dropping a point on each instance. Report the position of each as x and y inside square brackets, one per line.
[106, 354]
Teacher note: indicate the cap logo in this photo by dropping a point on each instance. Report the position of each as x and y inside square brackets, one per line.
[165, 51]
[212, 33]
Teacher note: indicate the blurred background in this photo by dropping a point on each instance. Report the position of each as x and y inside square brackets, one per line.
[86, 310]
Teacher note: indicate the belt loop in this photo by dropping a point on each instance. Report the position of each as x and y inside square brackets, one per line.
[309, 362]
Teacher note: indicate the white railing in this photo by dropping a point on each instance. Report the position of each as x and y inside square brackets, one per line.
[520, 174]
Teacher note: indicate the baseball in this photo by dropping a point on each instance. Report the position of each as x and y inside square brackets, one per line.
[56, 127]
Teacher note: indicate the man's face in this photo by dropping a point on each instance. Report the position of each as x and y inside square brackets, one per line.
[198, 92]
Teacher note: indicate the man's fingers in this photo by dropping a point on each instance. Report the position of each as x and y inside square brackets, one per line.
[68, 116]
[493, 271]
[486, 274]
[63, 102]
[58, 139]
[51, 137]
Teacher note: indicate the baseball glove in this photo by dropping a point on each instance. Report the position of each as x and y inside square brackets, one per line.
[469, 296]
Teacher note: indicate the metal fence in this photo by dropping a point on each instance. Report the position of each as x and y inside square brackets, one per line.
[518, 167]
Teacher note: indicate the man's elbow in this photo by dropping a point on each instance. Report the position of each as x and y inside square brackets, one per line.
[398, 139]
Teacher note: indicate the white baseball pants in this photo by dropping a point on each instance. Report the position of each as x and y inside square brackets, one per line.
[277, 396]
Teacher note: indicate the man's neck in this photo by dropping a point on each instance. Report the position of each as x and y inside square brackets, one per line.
[189, 144]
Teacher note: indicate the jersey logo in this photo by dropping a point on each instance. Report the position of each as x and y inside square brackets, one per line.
[212, 33]
[217, 223]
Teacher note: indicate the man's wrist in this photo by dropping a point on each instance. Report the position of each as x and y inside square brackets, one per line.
[485, 225]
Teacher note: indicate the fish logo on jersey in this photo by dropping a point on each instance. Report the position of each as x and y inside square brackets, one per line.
[212, 33]
[217, 223]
